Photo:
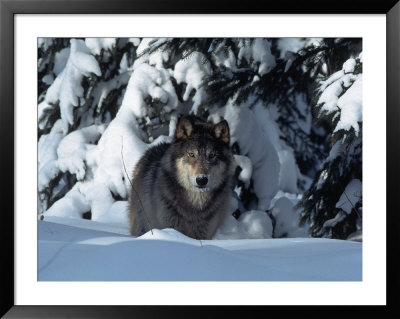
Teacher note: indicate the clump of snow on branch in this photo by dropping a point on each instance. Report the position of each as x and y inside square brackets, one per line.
[192, 71]
[246, 129]
[258, 52]
[96, 45]
[258, 137]
[350, 105]
[155, 59]
[252, 224]
[286, 219]
[47, 155]
[66, 89]
[72, 205]
[73, 148]
[351, 195]
[247, 168]
[148, 81]
[341, 96]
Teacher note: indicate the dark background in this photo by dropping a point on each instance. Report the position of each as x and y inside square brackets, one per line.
[7, 11]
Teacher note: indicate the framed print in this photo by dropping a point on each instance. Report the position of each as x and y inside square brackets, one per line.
[197, 155]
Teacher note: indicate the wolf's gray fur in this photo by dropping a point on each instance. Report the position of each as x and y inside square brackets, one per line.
[185, 185]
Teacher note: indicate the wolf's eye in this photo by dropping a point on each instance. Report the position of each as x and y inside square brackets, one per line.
[190, 154]
[211, 155]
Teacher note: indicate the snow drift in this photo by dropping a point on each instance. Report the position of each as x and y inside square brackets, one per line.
[71, 253]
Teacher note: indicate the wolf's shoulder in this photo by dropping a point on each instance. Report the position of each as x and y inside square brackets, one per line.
[155, 153]
[150, 159]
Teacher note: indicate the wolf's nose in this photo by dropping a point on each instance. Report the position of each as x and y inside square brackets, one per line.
[201, 181]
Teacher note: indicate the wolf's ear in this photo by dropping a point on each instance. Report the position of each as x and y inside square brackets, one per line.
[221, 131]
[184, 128]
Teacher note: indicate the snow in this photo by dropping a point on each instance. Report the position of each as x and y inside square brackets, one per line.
[119, 146]
[289, 173]
[107, 175]
[350, 104]
[245, 164]
[250, 225]
[273, 165]
[68, 250]
[45, 43]
[289, 45]
[135, 41]
[357, 235]
[293, 45]
[247, 127]
[349, 66]
[322, 178]
[335, 151]
[43, 109]
[351, 195]
[341, 94]
[48, 79]
[100, 167]
[330, 95]
[67, 88]
[47, 155]
[256, 224]
[82, 60]
[335, 220]
[347, 201]
[104, 88]
[192, 71]
[123, 65]
[360, 56]
[147, 81]
[259, 52]
[117, 215]
[156, 59]
[73, 148]
[97, 44]
[220, 58]
[60, 60]
[286, 219]
[334, 77]
[71, 205]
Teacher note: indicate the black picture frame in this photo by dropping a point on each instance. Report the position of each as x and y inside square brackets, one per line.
[9, 8]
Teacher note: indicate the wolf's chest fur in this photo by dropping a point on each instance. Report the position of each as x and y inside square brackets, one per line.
[196, 214]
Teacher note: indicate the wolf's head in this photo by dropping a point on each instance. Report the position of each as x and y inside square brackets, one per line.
[202, 154]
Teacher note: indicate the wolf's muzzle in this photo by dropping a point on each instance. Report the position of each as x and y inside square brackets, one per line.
[201, 180]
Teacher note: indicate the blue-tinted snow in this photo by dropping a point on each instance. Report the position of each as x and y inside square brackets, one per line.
[74, 253]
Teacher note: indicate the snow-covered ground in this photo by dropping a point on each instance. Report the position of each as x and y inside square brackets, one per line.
[72, 249]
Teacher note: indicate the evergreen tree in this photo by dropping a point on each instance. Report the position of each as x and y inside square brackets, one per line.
[78, 87]
[333, 203]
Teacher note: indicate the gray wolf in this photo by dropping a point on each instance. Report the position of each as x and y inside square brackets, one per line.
[186, 184]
